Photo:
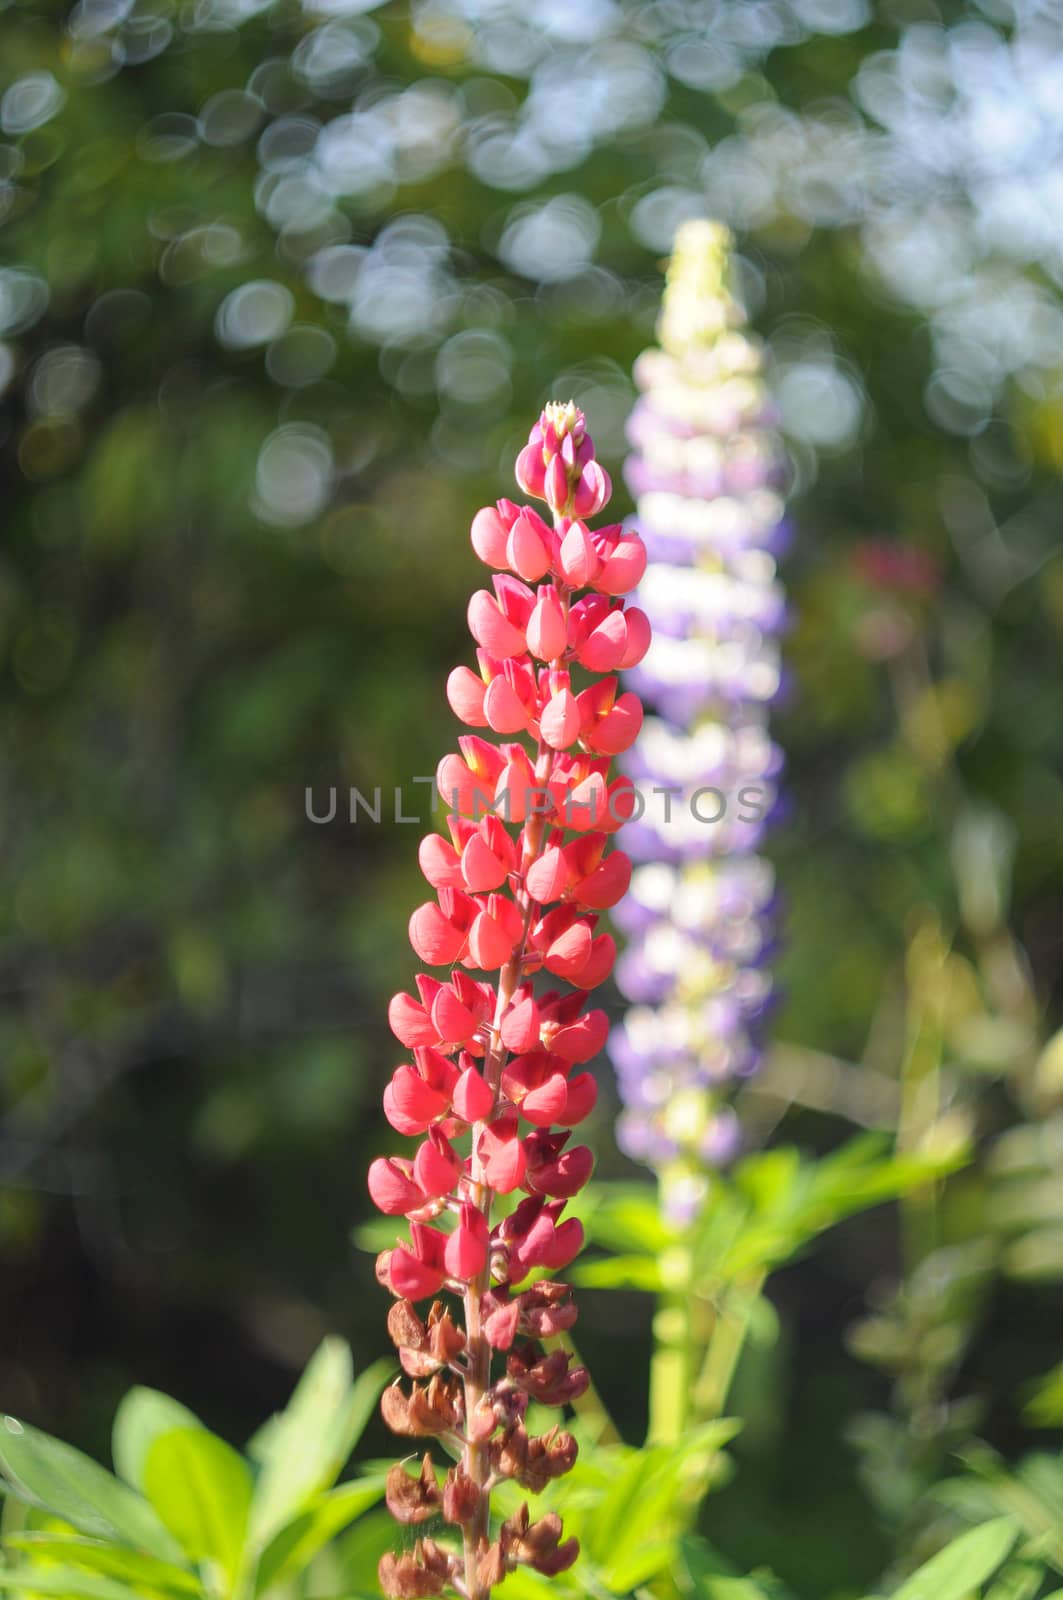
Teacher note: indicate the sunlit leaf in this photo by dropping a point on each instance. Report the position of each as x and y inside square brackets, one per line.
[963, 1565]
[73, 1583]
[110, 1560]
[142, 1415]
[295, 1546]
[60, 1479]
[308, 1444]
[202, 1491]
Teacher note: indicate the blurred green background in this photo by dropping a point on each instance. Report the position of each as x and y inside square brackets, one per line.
[282, 289]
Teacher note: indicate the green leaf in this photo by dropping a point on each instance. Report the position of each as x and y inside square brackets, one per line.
[72, 1583]
[61, 1480]
[111, 1560]
[1016, 1583]
[296, 1545]
[701, 1562]
[632, 1532]
[963, 1565]
[779, 1203]
[732, 1589]
[304, 1449]
[142, 1416]
[1044, 1409]
[620, 1272]
[202, 1491]
[619, 1215]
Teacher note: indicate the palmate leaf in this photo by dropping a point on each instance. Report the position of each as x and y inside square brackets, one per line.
[964, 1565]
[59, 1479]
[143, 1573]
[202, 1491]
[303, 1449]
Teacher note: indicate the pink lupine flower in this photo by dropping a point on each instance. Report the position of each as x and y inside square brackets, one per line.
[493, 1086]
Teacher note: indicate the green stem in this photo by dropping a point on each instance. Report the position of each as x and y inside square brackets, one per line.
[674, 1333]
[724, 1352]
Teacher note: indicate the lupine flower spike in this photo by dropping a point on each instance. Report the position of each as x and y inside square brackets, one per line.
[497, 1079]
[705, 471]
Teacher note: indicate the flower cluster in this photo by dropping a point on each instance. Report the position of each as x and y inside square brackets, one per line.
[496, 1081]
[705, 470]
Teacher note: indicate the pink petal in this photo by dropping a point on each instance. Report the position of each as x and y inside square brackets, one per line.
[556, 486]
[472, 1097]
[565, 1245]
[547, 631]
[502, 1155]
[489, 535]
[439, 862]
[490, 628]
[638, 637]
[582, 1098]
[413, 1100]
[435, 940]
[599, 964]
[409, 1021]
[604, 649]
[583, 1039]
[453, 1022]
[480, 867]
[411, 1278]
[560, 721]
[465, 694]
[490, 947]
[392, 1189]
[520, 1026]
[569, 953]
[547, 1103]
[436, 1167]
[530, 472]
[565, 1177]
[549, 876]
[618, 730]
[503, 709]
[607, 884]
[527, 552]
[466, 1249]
[579, 559]
[623, 570]
[592, 490]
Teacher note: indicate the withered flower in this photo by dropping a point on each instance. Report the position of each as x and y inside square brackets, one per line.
[413, 1499]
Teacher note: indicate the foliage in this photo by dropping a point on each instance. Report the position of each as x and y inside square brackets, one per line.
[185, 1514]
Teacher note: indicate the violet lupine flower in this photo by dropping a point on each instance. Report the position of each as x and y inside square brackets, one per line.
[705, 471]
